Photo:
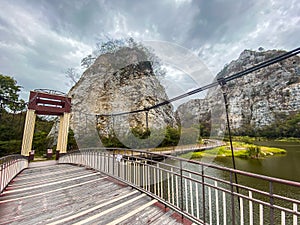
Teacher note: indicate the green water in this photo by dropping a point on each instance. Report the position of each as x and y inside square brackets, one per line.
[282, 166]
[285, 166]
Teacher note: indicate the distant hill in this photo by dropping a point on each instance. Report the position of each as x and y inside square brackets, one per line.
[256, 100]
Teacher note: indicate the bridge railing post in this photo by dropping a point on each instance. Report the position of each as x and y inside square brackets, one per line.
[232, 199]
[176, 184]
[10, 166]
[113, 163]
[1, 178]
[8, 172]
[203, 194]
[95, 160]
[271, 202]
[181, 189]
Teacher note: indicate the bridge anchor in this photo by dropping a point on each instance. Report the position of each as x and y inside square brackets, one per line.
[46, 102]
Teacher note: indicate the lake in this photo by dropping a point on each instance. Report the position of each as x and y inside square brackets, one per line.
[282, 166]
[285, 166]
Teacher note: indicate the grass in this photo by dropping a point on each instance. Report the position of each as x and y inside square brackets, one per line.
[241, 150]
[251, 140]
[289, 139]
[272, 150]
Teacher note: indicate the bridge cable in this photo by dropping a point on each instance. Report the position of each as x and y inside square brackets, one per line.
[223, 85]
[214, 83]
[222, 81]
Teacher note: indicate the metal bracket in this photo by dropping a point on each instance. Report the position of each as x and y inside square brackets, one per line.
[222, 82]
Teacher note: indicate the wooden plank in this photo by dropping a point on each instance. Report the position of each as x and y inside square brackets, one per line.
[65, 219]
[48, 192]
[96, 216]
[117, 221]
[65, 194]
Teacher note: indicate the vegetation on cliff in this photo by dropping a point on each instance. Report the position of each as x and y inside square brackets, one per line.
[172, 137]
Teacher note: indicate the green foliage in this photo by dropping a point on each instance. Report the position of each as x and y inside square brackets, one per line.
[253, 151]
[172, 136]
[39, 143]
[289, 139]
[139, 133]
[11, 131]
[245, 139]
[9, 94]
[10, 147]
[11, 126]
[111, 141]
[11, 134]
[241, 150]
[284, 126]
[72, 145]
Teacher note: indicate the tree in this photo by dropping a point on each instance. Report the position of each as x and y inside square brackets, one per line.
[72, 75]
[9, 94]
[107, 44]
[261, 49]
[86, 62]
[110, 45]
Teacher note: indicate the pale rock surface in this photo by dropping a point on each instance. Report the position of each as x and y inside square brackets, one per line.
[117, 82]
[255, 98]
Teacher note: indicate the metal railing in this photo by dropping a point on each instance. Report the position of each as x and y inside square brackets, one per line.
[10, 166]
[203, 193]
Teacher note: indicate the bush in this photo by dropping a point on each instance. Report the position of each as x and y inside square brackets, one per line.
[245, 139]
[10, 147]
[253, 151]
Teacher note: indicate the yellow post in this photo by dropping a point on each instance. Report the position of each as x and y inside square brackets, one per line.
[58, 147]
[28, 132]
[62, 140]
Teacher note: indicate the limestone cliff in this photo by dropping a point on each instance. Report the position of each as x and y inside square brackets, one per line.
[118, 82]
[193, 112]
[258, 97]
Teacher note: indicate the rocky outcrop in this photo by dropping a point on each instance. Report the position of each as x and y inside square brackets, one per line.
[255, 99]
[118, 82]
[193, 112]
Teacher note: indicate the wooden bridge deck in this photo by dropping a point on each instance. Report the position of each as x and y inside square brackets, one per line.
[65, 194]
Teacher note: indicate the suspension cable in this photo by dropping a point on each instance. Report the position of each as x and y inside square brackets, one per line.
[214, 83]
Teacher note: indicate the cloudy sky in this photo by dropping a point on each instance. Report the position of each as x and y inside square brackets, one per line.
[40, 39]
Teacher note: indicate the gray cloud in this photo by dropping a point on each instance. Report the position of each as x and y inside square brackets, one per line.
[40, 39]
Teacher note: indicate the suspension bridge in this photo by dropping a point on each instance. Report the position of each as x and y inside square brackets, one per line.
[127, 186]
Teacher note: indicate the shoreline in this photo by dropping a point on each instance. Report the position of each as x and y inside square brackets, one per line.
[241, 150]
[251, 140]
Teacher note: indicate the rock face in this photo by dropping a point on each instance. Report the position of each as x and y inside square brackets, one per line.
[258, 97]
[119, 82]
[193, 112]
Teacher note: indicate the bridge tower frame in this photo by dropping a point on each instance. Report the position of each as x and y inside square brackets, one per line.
[47, 102]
